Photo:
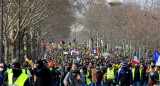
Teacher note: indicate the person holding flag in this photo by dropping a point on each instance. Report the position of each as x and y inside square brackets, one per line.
[136, 71]
[155, 61]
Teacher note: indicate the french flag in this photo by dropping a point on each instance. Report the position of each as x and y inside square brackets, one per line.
[136, 59]
[95, 51]
[156, 58]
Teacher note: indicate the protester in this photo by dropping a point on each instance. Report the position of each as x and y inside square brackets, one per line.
[94, 72]
[136, 72]
[1, 73]
[125, 76]
[16, 77]
[43, 74]
[99, 76]
[111, 76]
[63, 74]
[143, 75]
[74, 77]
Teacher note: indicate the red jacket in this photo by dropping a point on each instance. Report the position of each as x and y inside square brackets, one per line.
[99, 76]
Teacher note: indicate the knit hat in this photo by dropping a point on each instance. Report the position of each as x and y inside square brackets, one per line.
[41, 64]
[76, 64]
[16, 65]
[51, 64]
[124, 64]
[84, 68]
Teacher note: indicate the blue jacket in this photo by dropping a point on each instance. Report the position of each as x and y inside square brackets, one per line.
[125, 77]
[1, 78]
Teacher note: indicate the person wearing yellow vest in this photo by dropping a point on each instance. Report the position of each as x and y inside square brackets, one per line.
[86, 75]
[143, 75]
[152, 67]
[111, 76]
[53, 72]
[120, 67]
[136, 73]
[16, 77]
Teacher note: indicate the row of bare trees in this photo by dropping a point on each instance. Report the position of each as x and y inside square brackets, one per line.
[131, 27]
[28, 22]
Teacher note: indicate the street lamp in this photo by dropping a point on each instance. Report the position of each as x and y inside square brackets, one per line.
[1, 41]
[114, 2]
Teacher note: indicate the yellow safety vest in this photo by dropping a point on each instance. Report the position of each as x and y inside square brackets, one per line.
[27, 72]
[81, 70]
[50, 69]
[133, 72]
[104, 77]
[23, 71]
[119, 70]
[159, 75]
[9, 71]
[119, 65]
[19, 82]
[154, 68]
[110, 74]
[87, 79]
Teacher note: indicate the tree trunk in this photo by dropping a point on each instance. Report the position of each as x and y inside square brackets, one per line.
[6, 51]
[13, 51]
[90, 43]
[38, 49]
[22, 49]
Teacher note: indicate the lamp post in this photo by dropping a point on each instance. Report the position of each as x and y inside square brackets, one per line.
[1, 41]
[19, 35]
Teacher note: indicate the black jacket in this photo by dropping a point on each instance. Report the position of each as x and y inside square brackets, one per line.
[143, 76]
[43, 76]
[137, 75]
[63, 75]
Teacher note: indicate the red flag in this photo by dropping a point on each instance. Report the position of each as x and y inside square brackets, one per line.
[89, 52]
[61, 43]
[136, 59]
[48, 49]
[46, 44]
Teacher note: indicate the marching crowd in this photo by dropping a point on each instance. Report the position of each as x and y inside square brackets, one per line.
[88, 71]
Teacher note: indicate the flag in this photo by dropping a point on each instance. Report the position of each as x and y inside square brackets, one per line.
[45, 54]
[156, 58]
[46, 44]
[27, 60]
[59, 47]
[136, 59]
[89, 51]
[78, 59]
[25, 48]
[60, 42]
[95, 51]
[48, 49]
[69, 47]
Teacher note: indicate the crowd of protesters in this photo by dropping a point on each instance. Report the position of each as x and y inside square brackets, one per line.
[67, 70]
